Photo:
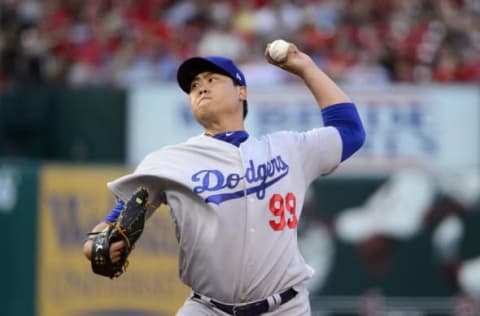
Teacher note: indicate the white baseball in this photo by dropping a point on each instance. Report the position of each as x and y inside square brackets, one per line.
[278, 50]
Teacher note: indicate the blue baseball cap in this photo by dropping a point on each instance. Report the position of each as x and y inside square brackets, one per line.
[217, 64]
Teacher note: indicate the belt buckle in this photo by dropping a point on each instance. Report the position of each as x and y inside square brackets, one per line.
[238, 309]
[243, 310]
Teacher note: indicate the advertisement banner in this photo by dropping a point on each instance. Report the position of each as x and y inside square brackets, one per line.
[426, 127]
[72, 201]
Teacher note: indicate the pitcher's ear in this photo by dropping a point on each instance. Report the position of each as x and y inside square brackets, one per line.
[243, 93]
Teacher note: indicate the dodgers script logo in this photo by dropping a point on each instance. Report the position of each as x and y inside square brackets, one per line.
[259, 177]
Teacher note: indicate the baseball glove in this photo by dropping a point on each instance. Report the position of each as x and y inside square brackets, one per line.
[128, 227]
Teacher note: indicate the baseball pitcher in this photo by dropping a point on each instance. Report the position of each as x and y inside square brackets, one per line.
[235, 199]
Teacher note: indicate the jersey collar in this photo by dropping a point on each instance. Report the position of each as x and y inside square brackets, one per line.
[235, 138]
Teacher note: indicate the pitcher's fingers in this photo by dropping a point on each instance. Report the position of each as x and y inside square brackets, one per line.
[115, 257]
[117, 245]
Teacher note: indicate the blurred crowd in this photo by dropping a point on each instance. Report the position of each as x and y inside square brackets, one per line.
[123, 42]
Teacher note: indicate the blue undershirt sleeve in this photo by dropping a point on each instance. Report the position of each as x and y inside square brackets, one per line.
[115, 212]
[344, 117]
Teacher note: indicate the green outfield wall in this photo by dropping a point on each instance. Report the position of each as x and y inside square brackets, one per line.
[18, 231]
[79, 125]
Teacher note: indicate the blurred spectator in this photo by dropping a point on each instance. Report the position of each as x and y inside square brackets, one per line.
[119, 42]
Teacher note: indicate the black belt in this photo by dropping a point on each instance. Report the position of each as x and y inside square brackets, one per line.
[251, 309]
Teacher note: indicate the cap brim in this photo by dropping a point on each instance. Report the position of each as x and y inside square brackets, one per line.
[192, 67]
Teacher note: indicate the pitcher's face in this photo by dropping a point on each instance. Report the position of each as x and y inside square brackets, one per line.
[215, 97]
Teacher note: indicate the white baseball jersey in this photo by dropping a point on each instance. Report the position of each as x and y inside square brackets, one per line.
[236, 209]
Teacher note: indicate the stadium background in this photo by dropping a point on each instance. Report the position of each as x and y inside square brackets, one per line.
[87, 88]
